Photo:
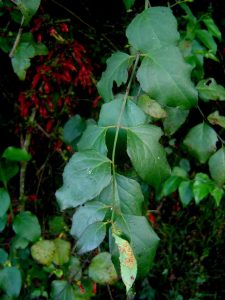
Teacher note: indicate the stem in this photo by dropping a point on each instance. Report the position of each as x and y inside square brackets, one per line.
[117, 131]
[17, 40]
[147, 4]
[109, 291]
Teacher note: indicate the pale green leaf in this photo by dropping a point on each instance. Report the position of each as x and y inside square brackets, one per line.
[185, 192]
[151, 107]
[3, 221]
[62, 290]
[166, 77]
[101, 269]
[91, 238]
[217, 194]
[74, 268]
[16, 154]
[148, 32]
[212, 27]
[10, 281]
[43, 252]
[89, 213]
[208, 89]
[217, 166]
[202, 186]
[174, 119]
[28, 8]
[201, 142]
[143, 240]
[147, 154]
[93, 138]
[116, 71]
[73, 129]
[4, 202]
[128, 263]
[206, 39]
[62, 252]
[85, 176]
[132, 115]
[128, 3]
[216, 119]
[26, 225]
[21, 59]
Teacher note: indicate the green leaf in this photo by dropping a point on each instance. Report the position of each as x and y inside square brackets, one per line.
[62, 290]
[217, 166]
[62, 252]
[166, 77]
[208, 89]
[16, 154]
[101, 270]
[85, 176]
[202, 186]
[132, 115]
[128, 3]
[206, 39]
[171, 184]
[21, 59]
[201, 142]
[185, 192]
[151, 107]
[147, 155]
[3, 221]
[3, 256]
[93, 138]
[4, 202]
[73, 129]
[19, 242]
[128, 195]
[128, 263]
[28, 8]
[40, 49]
[211, 26]
[26, 225]
[10, 281]
[216, 119]
[91, 238]
[8, 170]
[147, 32]
[89, 213]
[174, 119]
[74, 268]
[217, 194]
[43, 252]
[142, 238]
[116, 71]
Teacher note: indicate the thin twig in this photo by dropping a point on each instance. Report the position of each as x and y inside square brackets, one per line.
[109, 291]
[17, 40]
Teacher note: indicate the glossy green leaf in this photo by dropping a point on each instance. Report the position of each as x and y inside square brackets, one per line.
[216, 119]
[206, 39]
[8, 169]
[147, 32]
[174, 119]
[3, 221]
[26, 225]
[101, 269]
[91, 238]
[147, 155]
[21, 59]
[43, 251]
[185, 192]
[128, 263]
[132, 115]
[62, 252]
[89, 213]
[171, 184]
[217, 194]
[212, 27]
[93, 138]
[85, 176]
[10, 281]
[73, 129]
[201, 142]
[3, 256]
[208, 89]
[116, 71]
[62, 290]
[143, 240]
[4, 201]
[128, 3]
[28, 8]
[166, 77]
[16, 154]
[151, 107]
[202, 186]
[217, 166]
